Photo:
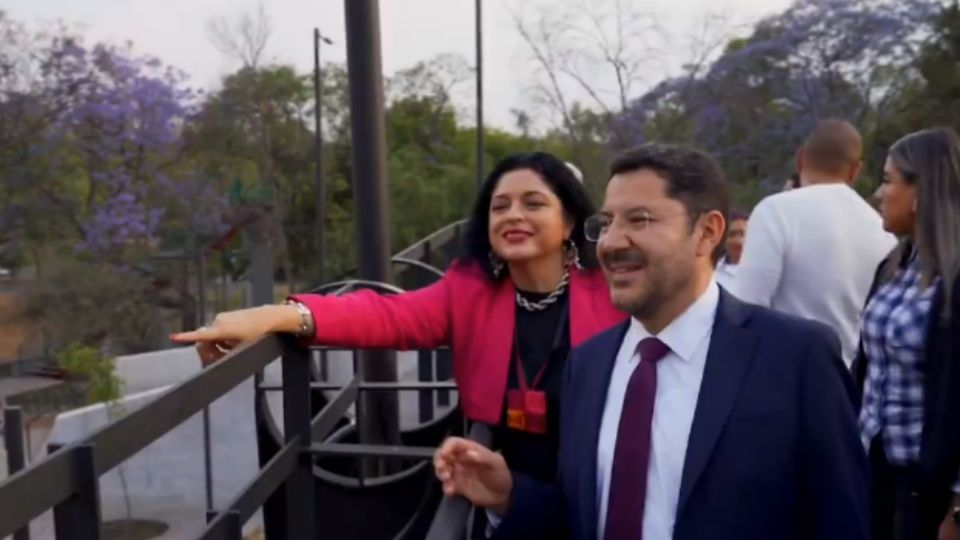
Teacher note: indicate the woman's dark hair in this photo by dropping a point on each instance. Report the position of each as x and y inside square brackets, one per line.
[930, 160]
[561, 180]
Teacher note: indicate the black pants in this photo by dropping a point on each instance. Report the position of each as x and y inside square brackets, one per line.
[901, 511]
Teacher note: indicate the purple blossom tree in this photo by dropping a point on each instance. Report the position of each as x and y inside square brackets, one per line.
[94, 134]
[756, 102]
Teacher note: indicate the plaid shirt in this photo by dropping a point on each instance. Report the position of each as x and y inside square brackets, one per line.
[894, 334]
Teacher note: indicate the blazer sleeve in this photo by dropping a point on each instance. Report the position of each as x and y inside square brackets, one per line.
[418, 319]
[835, 489]
[536, 511]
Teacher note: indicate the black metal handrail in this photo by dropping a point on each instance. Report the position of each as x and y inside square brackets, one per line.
[453, 514]
[424, 253]
[66, 480]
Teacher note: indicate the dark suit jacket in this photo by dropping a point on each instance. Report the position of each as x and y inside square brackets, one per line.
[774, 450]
[940, 443]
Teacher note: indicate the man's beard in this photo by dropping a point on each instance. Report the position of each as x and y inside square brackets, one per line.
[664, 280]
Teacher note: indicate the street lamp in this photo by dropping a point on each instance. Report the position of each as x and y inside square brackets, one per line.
[319, 191]
[478, 32]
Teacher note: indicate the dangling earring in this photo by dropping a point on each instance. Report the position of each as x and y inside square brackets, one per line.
[496, 264]
[573, 254]
[914, 206]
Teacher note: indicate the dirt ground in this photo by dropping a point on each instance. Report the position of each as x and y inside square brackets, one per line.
[12, 335]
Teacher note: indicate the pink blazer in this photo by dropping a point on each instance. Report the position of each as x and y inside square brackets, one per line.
[466, 311]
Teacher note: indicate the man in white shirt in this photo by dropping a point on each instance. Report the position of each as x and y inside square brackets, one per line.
[813, 251]
[728, 265]
[700, 418]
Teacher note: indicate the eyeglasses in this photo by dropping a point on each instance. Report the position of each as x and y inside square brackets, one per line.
[597, 226]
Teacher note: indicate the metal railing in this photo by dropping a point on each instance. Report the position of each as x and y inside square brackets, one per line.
[426, 255]
[67, 480]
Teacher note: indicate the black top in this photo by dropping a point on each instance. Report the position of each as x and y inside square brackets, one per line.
[529, 453]
[940, 443]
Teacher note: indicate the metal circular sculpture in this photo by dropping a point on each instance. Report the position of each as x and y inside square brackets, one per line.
[396, 505]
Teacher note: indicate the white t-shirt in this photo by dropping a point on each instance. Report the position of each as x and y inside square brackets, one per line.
[726, 273]
[813, 252]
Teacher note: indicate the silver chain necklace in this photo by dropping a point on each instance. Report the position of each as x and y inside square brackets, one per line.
[550, 299]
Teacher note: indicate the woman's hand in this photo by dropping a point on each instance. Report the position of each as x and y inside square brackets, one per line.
[231, 328]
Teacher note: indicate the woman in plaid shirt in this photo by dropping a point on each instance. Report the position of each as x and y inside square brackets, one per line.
[909, 362]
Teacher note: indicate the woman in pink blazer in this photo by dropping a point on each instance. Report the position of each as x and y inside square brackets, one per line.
[526, 290]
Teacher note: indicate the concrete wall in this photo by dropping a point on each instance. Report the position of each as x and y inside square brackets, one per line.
[165, 481]
[146, 371]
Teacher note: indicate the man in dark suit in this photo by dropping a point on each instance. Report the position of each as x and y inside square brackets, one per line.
[700, 418]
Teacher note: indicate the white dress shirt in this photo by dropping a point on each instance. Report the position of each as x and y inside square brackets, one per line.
[813, 252]
[679, 374]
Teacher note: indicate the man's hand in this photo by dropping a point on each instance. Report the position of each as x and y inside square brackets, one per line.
[478, 474]
[949, 530]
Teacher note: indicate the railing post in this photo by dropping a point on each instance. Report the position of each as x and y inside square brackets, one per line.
[234, 529]
[324, 366]
[298, 488]
[425, 374]
[427, 252]
[202, 320]
[273, 507]
[16, 460]
[454, 247]
[78, 518]
[444, 373]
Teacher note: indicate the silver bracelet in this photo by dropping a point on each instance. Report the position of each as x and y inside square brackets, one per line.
[307, 324]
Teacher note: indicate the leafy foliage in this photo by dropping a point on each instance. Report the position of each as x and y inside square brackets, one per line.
[103, 386]
[109, 159]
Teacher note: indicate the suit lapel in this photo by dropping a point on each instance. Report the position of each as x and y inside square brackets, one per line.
[591, 398]
[732, 349]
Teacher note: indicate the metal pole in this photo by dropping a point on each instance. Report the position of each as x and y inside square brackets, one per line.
[16, 460]
[78, 517]
[369, 151]
[319, 189]
[478, 32]
[202, 320]
[298, 488]
[261, 261]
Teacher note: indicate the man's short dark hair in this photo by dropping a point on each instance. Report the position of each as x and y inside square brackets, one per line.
[693, 177]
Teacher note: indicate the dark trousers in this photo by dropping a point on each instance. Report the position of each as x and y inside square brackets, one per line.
[901, 511]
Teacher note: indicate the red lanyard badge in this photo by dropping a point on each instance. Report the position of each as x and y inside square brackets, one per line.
[527, 406]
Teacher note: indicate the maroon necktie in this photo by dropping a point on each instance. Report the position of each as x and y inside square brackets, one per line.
[631, 455]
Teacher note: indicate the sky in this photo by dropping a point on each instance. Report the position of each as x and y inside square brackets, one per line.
[411, 31]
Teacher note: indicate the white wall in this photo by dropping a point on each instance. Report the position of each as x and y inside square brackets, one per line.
[165, 481]
[146, 371]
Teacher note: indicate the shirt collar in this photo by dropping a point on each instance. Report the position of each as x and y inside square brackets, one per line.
[685, 333]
